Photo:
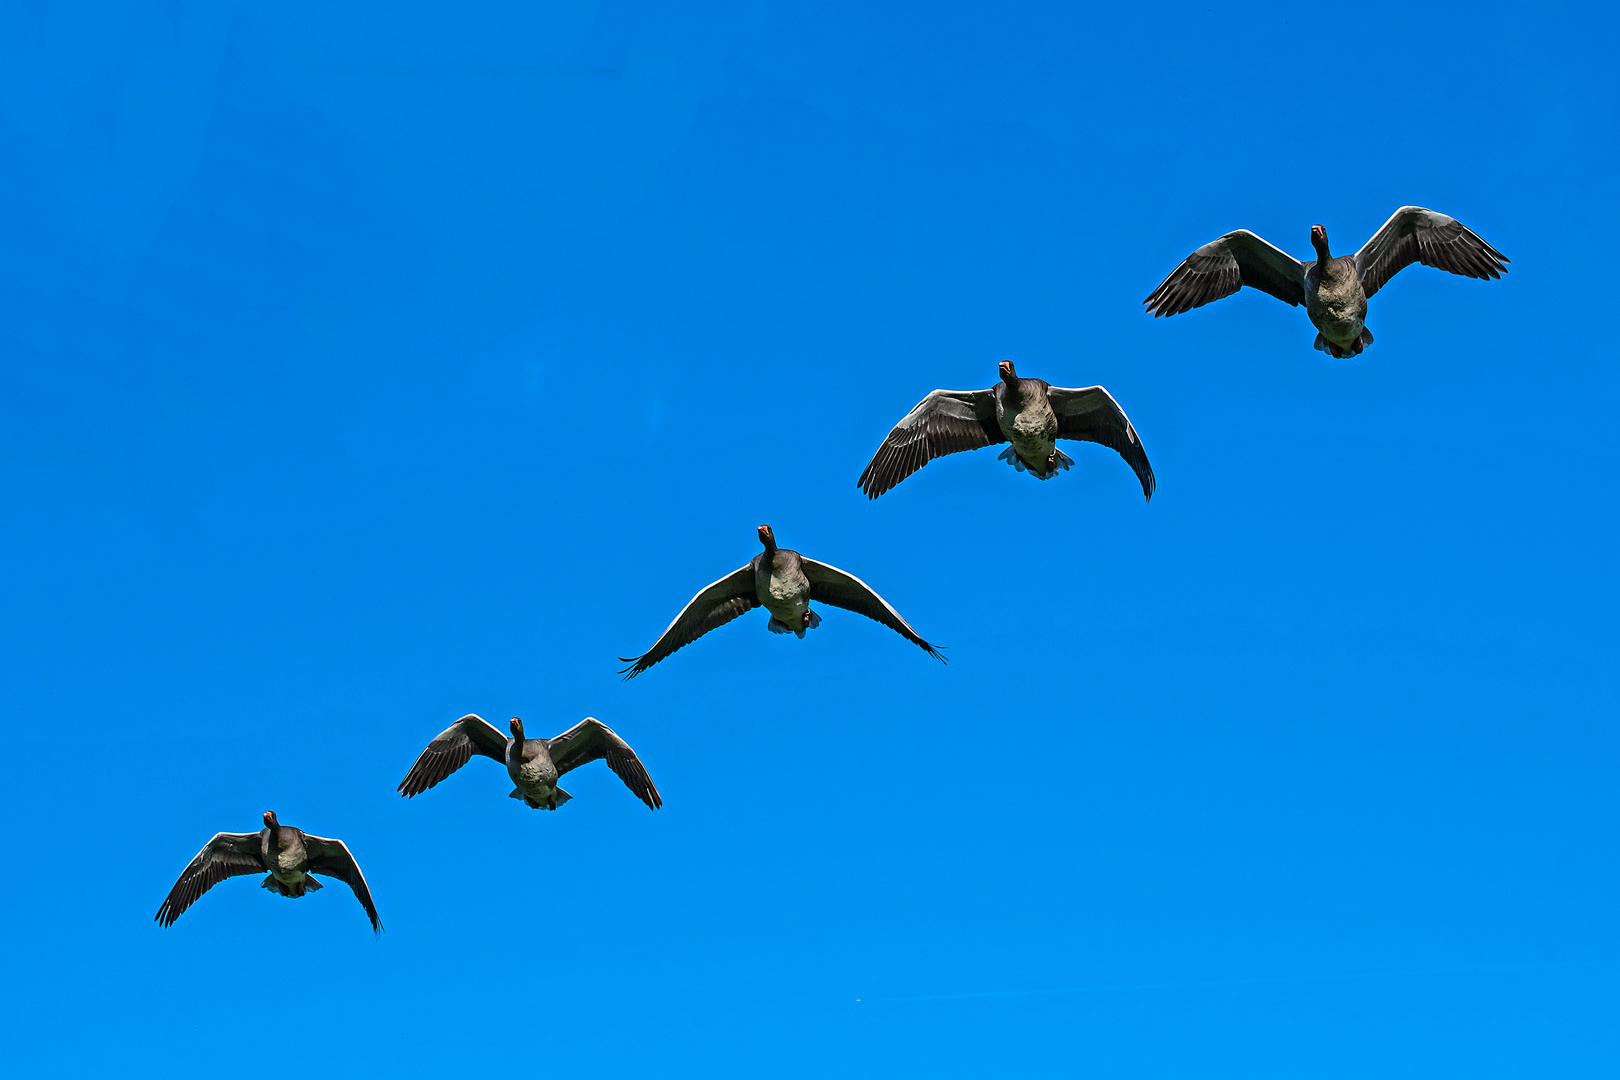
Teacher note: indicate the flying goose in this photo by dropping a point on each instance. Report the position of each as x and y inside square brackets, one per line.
[1333, 290]
[533, 764]
[290, 855]
[783, 582]
[1029, 413]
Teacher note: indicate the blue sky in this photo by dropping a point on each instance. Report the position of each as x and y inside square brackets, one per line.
[361, 369]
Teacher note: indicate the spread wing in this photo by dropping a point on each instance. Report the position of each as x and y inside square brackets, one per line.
[591, 739]
[944, 422]
[1092, 415]
[331, 858]
[1413, 234]
[831, 585]
[1224, 266]
[226, 855]
[450, 750]
[715, 605]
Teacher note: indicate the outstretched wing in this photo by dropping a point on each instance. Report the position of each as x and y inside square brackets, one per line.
[715, 605]
[226, 855]
[1222, 267]
[591, 739]
[1092, 415]
[331, 858]
[1413, 234]
[450, 750]
[944, 422]
[831, 585]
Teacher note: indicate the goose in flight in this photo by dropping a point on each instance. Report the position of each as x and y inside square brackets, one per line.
[1029, 413]
[1333, 290]
[533, 764]
[290, 855]
[783, 582]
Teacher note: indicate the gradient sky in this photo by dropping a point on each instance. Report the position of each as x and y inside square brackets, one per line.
[364, 368]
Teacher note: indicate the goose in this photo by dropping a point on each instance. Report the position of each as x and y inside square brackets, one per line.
[1029, 413]
[533, 764]
[1333, 290]
[783, 582]
[290, 855]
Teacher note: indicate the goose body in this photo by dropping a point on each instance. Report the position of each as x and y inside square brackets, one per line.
[1024, 415]
[1030, 414]
[782, 589]
[287, 856]
[284, 854]
[1336, 304]
[533, 765]
[1334, 290]
[784, 583]
[534, 774]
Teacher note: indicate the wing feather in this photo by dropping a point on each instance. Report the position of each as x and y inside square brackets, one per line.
[226, 855]
[589, 740]
[1222, 267]
[1413, 234]
[450, 750]
[830, 585]
[944, 422]
[715, 605]
[1092, 415]
[332, 858]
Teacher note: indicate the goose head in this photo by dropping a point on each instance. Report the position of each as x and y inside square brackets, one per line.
[767, 537]
[1009, 374]
[270, 821]
[517, 728]
[1320, 243]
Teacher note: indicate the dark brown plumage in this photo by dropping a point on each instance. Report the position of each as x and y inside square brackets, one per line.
[289, 855]
[784, 582]
[1412, 234]
[1029, 413]
[533, 764]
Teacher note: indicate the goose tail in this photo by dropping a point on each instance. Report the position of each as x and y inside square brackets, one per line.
[309, 884]
[1060, 462]
[1338, 352]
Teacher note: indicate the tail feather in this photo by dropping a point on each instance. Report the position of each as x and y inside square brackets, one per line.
[1338, 352]
[777, 626]
[558, 797]
[1060, 463]
[309, 884]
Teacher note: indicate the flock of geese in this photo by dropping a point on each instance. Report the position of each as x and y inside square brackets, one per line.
[1029, 415]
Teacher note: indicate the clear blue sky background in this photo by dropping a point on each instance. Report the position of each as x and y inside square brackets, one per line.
[363, 368]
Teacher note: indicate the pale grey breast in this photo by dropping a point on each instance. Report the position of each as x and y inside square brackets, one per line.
[1029, 424]
[1334, 299]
